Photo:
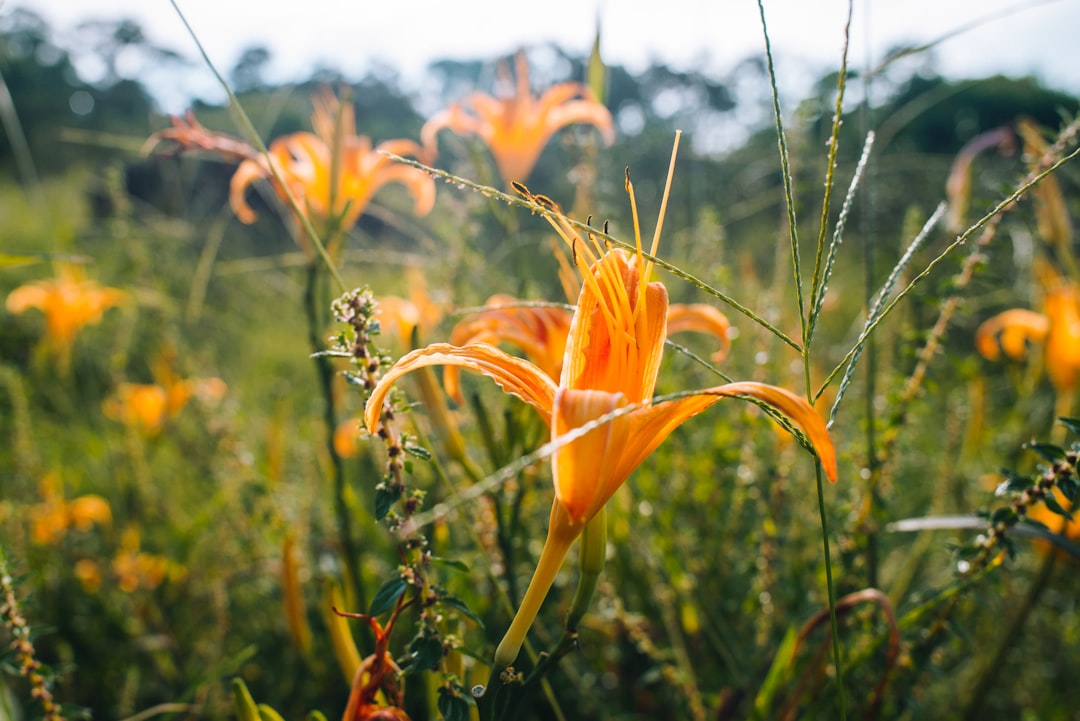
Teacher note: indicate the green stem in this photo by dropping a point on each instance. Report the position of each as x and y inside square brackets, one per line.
[313, 305]
[591, 556]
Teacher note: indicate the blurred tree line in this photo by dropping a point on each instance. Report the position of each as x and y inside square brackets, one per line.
[921, 120]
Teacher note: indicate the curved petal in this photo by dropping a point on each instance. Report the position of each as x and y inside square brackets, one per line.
[582, 111]
[248, 172]
[1063, 341]
[586, 470]
[650, 426]
[540, 332]
[1009, 332]
[31, 295]
[514, 375]
[420, 185]
[703, 318]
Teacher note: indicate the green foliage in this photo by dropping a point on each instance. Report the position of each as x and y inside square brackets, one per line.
[711, 598]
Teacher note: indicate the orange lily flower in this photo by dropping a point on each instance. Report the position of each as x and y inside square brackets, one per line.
[53, 516]
[306, 164]
[69, 302]
[541, 332]
[1058, 327]
[613, 353]
[517, 127]
[333, 173]
[147, 406]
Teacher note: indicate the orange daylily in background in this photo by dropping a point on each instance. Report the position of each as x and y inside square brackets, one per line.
[306, 164]
[401, 316]
[541, 332]
[613, 353]
[1057, 327]
[147, 406]
[53, 516]
[333, 173]
[517, 127]
[69, 302]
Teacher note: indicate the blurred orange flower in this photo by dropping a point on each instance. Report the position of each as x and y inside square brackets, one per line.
[69, 302]
[400, 316]
[147, 406]
[1057, 327]
[309, 162]
[333, 173]
[53, 516]
[614, 348]
[135, 569]
[517, 126]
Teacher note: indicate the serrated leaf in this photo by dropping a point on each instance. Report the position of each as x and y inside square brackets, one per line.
[1052, 503]
[387, 596]
[451, 706]
[1072, 424]
[1048, 451]
[452, 563]
[425, 652]
[385, 498]
[459, 605]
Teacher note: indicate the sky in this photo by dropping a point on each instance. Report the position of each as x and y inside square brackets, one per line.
[1033, 37]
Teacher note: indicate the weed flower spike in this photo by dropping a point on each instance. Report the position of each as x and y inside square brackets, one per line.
[612, 359]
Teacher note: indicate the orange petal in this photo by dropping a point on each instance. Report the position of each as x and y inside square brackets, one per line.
[1009, 332]
[585, 470]
[515, 376]
[1062, 307]
[650, 426]
[617, 333]
[540, 332]
[703, 318]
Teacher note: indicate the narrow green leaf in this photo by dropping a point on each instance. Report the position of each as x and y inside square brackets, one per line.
[387, 596]
[1072, 424]
[1048, 451]
[451, 563]
[1070, 487]
[459, 605]
[1052, 503]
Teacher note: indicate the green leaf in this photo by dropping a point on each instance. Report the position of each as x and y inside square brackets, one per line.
[459, 605]
[243, 703]
[451, 706]
[385, 498]
[452, 563]
[1070, 487]
[1003, 515]
[1013, 483]
[1072, 424]
[267, 713]
[425, 652]
[1048, 451]
[418, 451]
[387, 596]
[12, 261]
[1052, 503]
